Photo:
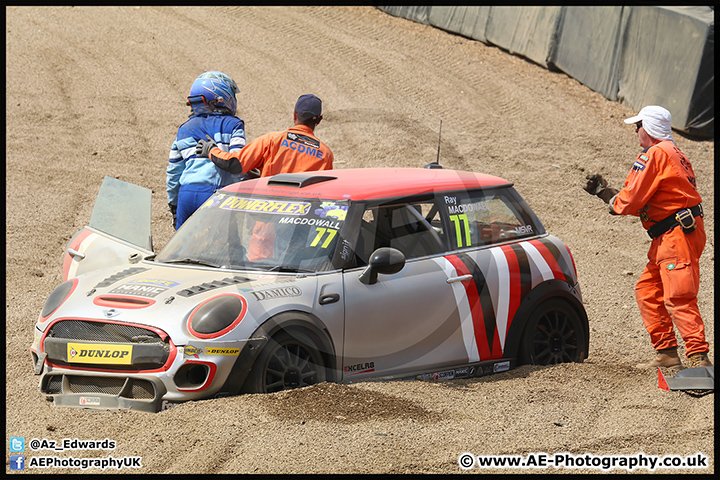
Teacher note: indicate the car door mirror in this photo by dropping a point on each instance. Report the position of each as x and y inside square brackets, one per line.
[384, 260]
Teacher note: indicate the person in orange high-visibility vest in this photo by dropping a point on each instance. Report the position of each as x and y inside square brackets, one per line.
[661, 189]
[296, 149]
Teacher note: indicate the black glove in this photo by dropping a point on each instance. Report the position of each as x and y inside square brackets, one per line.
[204, 146]
[173, 210]
[598, 186]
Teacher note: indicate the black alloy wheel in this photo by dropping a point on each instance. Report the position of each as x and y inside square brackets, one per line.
[554, 334]
[289, 360]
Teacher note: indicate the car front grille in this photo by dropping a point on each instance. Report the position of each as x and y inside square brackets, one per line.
[102, 332]
[133, 388]
[154, 347]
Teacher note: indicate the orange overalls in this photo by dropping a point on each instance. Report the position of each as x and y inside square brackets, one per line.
[661, 183]
[293, 150]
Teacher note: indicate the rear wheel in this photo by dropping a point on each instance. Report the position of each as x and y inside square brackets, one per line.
[554, 334]
[289, 360]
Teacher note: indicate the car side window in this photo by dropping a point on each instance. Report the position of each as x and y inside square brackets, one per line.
[481, 219]
[413, 228]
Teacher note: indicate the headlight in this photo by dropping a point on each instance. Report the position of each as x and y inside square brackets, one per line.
[57, 297]
[217, 316]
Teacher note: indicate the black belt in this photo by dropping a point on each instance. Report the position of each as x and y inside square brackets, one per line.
[685, 218]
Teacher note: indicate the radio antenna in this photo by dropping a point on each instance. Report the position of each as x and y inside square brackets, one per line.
[439, 136]
[436, 163]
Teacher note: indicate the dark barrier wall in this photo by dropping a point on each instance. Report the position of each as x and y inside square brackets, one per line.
[634, 55]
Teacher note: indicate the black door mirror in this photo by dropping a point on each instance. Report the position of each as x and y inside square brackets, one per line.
[384, 260]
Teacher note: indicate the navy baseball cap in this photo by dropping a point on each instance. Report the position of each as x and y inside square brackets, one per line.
[308, 107]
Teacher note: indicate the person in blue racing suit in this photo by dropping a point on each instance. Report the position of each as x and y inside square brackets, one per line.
[192, 180]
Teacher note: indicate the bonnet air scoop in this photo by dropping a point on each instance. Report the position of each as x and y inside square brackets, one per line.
[297, 180]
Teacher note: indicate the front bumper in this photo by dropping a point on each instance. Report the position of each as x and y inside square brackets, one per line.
[203, 370]
[104, 392]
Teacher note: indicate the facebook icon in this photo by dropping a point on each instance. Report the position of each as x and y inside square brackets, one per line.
[17, 462]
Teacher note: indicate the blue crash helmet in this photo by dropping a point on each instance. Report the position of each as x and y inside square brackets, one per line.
[213, 93]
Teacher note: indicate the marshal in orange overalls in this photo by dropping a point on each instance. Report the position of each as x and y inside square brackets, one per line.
[661, 183]
[296, 149]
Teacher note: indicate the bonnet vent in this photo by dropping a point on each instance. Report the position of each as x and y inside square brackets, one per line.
[297, 180]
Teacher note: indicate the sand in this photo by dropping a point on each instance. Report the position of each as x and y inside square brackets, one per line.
[101, 91]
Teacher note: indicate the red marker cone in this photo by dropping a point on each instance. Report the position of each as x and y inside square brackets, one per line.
[661, 381]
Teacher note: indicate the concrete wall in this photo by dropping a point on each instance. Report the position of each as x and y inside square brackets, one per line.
[636, 55]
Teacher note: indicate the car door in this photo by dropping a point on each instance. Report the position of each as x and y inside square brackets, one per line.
[118, 232]
[405, 322]
[453, 307]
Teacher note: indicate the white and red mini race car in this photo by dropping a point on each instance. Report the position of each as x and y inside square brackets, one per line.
[286, 281]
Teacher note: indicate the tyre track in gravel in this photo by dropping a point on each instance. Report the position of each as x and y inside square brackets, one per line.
[452, 71]
[420, 102]
[284, 33]
[43, 78]
[346, 124]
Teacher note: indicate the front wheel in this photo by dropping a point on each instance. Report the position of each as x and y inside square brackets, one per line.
[289, 360]
[554, 334]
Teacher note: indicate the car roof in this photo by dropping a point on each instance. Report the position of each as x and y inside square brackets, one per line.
[366, 183]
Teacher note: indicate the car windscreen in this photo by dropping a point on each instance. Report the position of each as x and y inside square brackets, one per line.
[259, 233]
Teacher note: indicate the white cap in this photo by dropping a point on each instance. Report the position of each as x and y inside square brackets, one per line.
[656, 122]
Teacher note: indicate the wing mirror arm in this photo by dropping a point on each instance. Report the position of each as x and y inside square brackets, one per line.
[384, 260]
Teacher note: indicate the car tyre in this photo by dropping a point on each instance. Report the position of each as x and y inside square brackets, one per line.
[553, 334]
[289, 360]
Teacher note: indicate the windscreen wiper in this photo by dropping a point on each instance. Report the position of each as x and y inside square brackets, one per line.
[282, 268]
[194, 262]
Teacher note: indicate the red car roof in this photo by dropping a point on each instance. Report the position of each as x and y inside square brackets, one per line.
[366, 183]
